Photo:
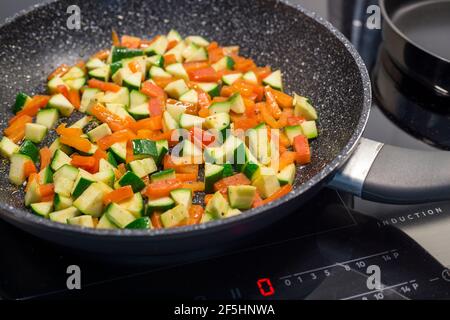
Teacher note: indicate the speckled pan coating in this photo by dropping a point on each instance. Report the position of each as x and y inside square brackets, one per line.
[317, 61]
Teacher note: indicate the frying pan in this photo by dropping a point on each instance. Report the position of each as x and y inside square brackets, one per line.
[416, 37]
[317, 62]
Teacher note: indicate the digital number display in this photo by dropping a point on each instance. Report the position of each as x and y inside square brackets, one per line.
[265, 287]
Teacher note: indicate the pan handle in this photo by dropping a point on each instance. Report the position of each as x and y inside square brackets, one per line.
[384, 173]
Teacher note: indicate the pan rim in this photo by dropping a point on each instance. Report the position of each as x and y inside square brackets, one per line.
[393, 26]
[23, 216]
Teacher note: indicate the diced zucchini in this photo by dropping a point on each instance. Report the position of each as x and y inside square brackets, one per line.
[229, 79]
[119, 150]
[75, 84]
[74, 73]
[131, 179]
[62, 216]
[35, 132]
[156, 60]
[143, 167]
[190, 97]
[86, 99]
[118, 216]
[175, 216]
[60, 202]
[104, 223]
[241, 197]
[114, 67]
[158, 47]
[118, 109]
[163, 175]
[101, 73]
[177, 70]
[82, 221]
[182, 196]
[95, 63]
[219, 122]
[224, 63]
[120, 53]
[309, 129]
[64, 179]
[211, 88]
[304, 108]
[177, 51]
[143, 148]
[220, 107]
[54, 83]
[192, 152]
[200, 54]
[176, 110]
[42, 208]
[169, 122]
[251, 77]
[47, 117]
[213, 173]
[59, 159]
[106, 176]
[176, 88]
[133, 81]
[8, 147]
[292, 132]
[237, 103]
[32, 195]
[137, 98]
[162, 147]
[110, 158]
[157, 72]
[274, 80]
[258, 142]
[266, 182]
[21, 100]
[188, 121]
[197, 40]
[46, 176]
[218, 206]
[173, 35]
[135, 205]
[61, 103]
[287, 175]
[83, 122]
[159, 205]
[140, 112]
[121, 97]
[101, 131]
[140, 223]
[91, 200]
[83, 181]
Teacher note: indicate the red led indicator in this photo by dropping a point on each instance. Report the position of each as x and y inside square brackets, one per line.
[265, 287]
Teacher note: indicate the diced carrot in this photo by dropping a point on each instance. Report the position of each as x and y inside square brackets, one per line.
[32, 107]
[215, 55]
[130, 42]
[103, 86]
[102, 54]
[284, 140]
[29, 168]
[204, 75]
[284, 100]
[272, 104]
[62, 130]
[46, 189]
[195, 65]
[162, 82]
[118, 195]
[115, 122]
[134, 66]
[162, 188]
[195, 214]
[49, 198]
[295, 121]
[98, 155]
[130, 152]
[83, 162]
[287, 158]
[152, 90]
[81, 64]
[45, 156]
[284, 190]
[244, 122]
[208, 198]
[19, 123]
[115, 38]
[226, 91]
[262, 72]
[32, 177]
[155, 106]
[74, 98]
[62, 88]
[152, 123]
[195, 186]
[186, 177]
[18, 135]
[169, 59]
[156, 220]
[59, 71]
[267, 116]
[257, 201]
[172, 44]
[78, 143]
[242, 64]
[301, 147]
[236, 180]
[118, 136]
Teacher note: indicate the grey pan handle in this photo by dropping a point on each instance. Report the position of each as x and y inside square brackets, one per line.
[389, 174]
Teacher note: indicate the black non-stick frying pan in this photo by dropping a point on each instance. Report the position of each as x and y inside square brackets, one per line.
[416, 37]
[317, 62]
